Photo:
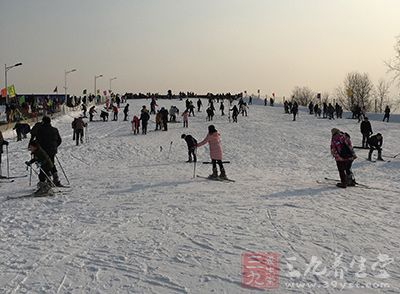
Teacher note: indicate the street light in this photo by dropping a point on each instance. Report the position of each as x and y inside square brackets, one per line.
[95, 79]
[65, 81]
[6, 69]
[114, 78]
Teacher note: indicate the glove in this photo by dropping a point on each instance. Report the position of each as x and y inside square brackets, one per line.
[27, 163]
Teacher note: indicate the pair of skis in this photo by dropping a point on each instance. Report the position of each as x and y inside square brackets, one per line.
[217, 179]
[363, 186]
[39, 195]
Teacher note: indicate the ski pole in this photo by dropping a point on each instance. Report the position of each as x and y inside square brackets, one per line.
[62, 169]
[8, 163]
[30, 174]
[195, 162]
[45, 174]
[170, 147]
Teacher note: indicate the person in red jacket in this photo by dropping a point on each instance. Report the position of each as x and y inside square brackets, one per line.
[135, 125]
[342, 151]
[214, 141]
[115, 111]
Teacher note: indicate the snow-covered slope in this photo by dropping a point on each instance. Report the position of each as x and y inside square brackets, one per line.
[137, 222]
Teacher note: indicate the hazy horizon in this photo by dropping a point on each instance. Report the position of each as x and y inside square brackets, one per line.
[200, 46]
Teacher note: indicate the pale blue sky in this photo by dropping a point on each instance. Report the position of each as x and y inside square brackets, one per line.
[203, 45]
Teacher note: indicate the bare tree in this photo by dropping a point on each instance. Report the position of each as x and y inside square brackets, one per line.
[394, 64]
[356, 91]
[303, 95]
[381, 94]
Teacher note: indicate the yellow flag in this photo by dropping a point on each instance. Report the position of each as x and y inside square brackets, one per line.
[11, 91]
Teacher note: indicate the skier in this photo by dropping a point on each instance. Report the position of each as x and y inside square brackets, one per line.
[222, 107]
[243, 108]
[185, 116]
[144, 117]
[158, 120]
[191, 144]
[199, 105]
[79, 126]
[153, 105]
[135, 125]
[92, 111]
[295, 110]
[73, 125]
[375, 142]
[387, 113]
[342, 151]
[311, 108]
[191, 108]
[126, 110]
[235, 113]
[22, 129]
[2, 143]
[265, 101]
[214, 141]
[84, 109]
[49, 139]
[104, 114]
[115, 111]
[46, 168]
[366, 131]
[210, 114]
[164, 118]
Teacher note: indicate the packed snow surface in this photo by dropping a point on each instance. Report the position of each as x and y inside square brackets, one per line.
[136, 221]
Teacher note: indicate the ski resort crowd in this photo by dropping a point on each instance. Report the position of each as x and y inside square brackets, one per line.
[45, 139]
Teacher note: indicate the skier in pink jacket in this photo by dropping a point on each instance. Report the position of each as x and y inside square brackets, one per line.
[214, 141]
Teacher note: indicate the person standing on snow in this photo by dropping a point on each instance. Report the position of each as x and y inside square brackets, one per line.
[49, 139]
[191, 144]
[366, 131]
[199, 105]
[135, 125]
[222, 108]
[214, 140]
[79, 127]
[185, 116]
[342, 151]
[295, 110]
[92, 111]
[387, 113]
[2, 143]
[126, 110]
[144, 117]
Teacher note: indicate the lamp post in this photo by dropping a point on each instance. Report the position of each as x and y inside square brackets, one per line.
[65, 81]
[95, 88]
[6, 69]
[114, 78]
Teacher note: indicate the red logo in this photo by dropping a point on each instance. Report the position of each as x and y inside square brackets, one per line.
[260, 270]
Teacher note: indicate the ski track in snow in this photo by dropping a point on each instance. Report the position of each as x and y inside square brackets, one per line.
[137, 222]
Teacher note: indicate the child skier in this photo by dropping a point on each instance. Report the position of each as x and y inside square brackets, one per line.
[135, 125]
[46, 166]
[342, 151]
[185, 116]
[191, 144]
[214, 141]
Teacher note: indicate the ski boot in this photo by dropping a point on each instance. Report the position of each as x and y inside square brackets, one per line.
[214, 175]
[44, 189]
[351, 182]
[341, 185]
[380, 157]
[223, 175]
[56, 180]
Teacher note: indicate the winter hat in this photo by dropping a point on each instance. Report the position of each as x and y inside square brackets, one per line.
[183, 136]
[335, 131]
[211, 129]
[46, 120]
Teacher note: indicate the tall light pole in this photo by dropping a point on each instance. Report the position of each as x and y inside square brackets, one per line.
[6, 69]
[112, 79]
[66, 72]
[95, 88]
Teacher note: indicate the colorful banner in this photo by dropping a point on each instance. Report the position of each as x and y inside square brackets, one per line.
[3, 93]
[98, 91]
[21, 100]
[11, 91]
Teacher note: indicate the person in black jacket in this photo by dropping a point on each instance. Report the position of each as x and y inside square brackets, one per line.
[126, 110]
[366, 131]
[49, 139]
[295, 110]
[387, 113]
[164, 118]
[2, 143]
[191, 144]
[22, 130]
[375, 142]
[144, 117]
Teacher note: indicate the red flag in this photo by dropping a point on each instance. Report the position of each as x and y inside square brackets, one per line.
[4, 93]
[55, 90]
